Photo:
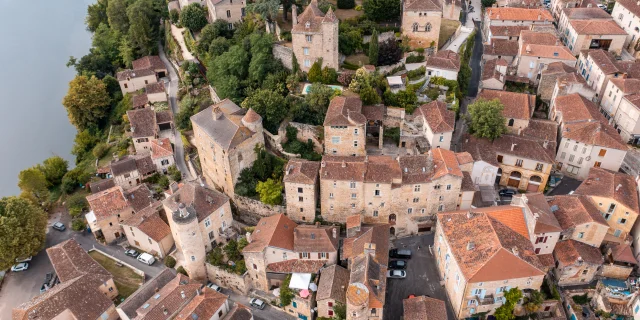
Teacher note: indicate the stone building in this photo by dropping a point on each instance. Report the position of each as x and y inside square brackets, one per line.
[518, 107]
[580, 219]
[444, 64]
[225, 136]
[367, 286]
[301, 187]
[494, 72]
[226, 10]
[200, 219]
[626, 13]
[598, 66]
[437, 123]
[149, 232]
[619, 261]
[548, 78]
[613, 95]
[129, 171]
[513, 17]
[345, 131]
[537, 50]
[587, 31]
[616, 196]
[143, 129]
[162, 154]
[576, 262]
[571, 83]
[86, 289]
[314, 36]
[334, 280]
[278, 246]
[480, 256]
[451, 9]
[146, 70]
[416, 308]
[421, 21]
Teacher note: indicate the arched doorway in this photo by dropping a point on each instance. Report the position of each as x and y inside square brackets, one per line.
[392, 218]
[499, 175]
[511, 121]
[514, 179]
[534, 184]
[392, 231]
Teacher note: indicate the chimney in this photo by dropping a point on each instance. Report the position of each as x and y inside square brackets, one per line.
[248, 236]
[469, 215]
[198, 292]
[183, 210]
[513, 145]
[515, 251]
[344, 164]
[528, 49]
[317, 224]
[539, 16]
[370, 248]
[323, 164]
[217, 113]
[545, 144]
[182, 294]
[618, 187]
[294, 15]
[133, 128]
[471, 245]
[334, 232]
[165, 311]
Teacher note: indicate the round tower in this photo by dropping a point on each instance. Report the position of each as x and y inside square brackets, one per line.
[252, 120]
[190, 241]
[357, 301]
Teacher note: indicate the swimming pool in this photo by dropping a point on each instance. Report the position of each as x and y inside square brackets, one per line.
[307, 87]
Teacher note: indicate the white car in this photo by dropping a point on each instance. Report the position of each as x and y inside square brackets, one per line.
[257, 303]
[396, 274]
[214, 287]
[146, 259]
[602, 6]
[20, 267]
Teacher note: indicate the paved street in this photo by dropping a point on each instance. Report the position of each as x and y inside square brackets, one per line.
[422, 277]
[173, 102]
[476, 57]
[269, 313]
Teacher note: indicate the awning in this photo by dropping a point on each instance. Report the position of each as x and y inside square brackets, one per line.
[300, 281]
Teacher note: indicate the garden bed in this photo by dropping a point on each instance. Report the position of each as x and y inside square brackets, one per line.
[127, 281]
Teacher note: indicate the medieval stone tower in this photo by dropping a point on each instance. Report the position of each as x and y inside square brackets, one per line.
[189, 241]
[315, 36]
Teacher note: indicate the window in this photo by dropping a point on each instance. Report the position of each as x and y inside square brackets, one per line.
[410, 210]
[307, 63]
[602, 152]
[581, 235]
[622, 221]
[575, 147]
[330, 313]
[228, 13]
[606, 216]
[304, 255]
[306, 51]
[571, 157]
[355, 143]
[323, 255]
[353, 206]
[193, 258]
[352, 185]
[300, 199]
[511, 121]
[597, 164]
[415, 200]
[499, 158]
[436, 187]
[150, 242]
[441, 198]
[255, 267]
[207, 223]
[375, 213]
[416, 188]
[331, 195]
[353, 196]
[376, 193]
[573, 169]
[448, 187]
[230, 26]
[126, 86]
[211, 235]
[335, 140]
[299, 190]
[519, 163]
[329, 304]
[427, 28]
[308, 37]
[373, 312]
[355, 131]
[414, 27]
[441, 207]
[441, 138]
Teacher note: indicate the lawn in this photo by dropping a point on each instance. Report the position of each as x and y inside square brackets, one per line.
[447, 29]
[108, 156]
[126, 280]
[359, 59]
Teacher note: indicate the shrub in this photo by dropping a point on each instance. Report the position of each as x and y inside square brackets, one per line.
[182, 270]
[286, 36]
[345, 77]
[358, 8]
[415, 58]
[170, 262]
[346, 4]
[175, 174]
[433, 93]
[315, 73]
[417, 73]
[174, 16]
[583, 299]
[163, 182]
[77, 224]
[286, 295]
[389, 53]
[100, 150]
[76, 204]
[329, 75]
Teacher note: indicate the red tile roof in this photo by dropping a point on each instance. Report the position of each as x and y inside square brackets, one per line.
[203, 306]
[516, 105]
[424, 308]
[344, 111]
[107, 203]
[296, 266]
[570, 252]
[519, 14]
[437, 116]
[301, 171]
[161, 148]
[274, 231]
[572, 211]
[618, 186]
[597, 27]
[445, 59]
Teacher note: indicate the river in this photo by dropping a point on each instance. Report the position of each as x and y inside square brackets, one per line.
[37, 39]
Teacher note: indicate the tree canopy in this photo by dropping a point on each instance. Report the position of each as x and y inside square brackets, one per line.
[22, 230]
[34, 186]
[86, 102]
[381, 10]
[54, 168]
[486, 119]
[193, 17]
[268, 104]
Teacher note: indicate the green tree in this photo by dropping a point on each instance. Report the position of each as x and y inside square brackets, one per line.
[92, 64]
[193, 17]
[54, 168]
[346, 4]
[170, 262]
[73, 179]
[231, 250]
[487, 3]
[216, 257]
[389, 53]
[100, 150]
[268, 104]
[381, 10]
[267, 9]
[339, 311]
[295, 66]
[369, 95]
[242, 243]
[106, 42]
[533, 301]
[33, 184]
[286, 295]
[127, 54]
[373, 48]
[77, 224]
[329, 75]
[96, 14]
[174, 16]
[505, 312]
[486, 120]
[315, 72]
[117, 15]
[270, 191]
[143, 29]
[217, 47]
[76, 204]
[349, 39]
[210, 33]
[182, 270]
[318, 99]
[22, 230]
[86, 102]
[83, 143]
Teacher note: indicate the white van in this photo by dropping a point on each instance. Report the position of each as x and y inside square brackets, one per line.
[146, 258]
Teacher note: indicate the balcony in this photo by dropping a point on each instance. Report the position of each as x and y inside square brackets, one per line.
[487, 300]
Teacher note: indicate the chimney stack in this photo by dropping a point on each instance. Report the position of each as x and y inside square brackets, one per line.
[183, 210]
[618, 187]
[334, 232]
[344, 164]
[513, 145]
[370, 248]
[248, 236]
[217, 113]
[294, 15]
[182, 294]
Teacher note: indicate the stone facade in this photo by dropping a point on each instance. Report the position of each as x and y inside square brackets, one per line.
[422, 24]
[345, 130]
[301, 190]
[226, 10]
[224, 153]
[611, 270]
[284, 54]
[250, 211]
[223, 278]
[315, 36]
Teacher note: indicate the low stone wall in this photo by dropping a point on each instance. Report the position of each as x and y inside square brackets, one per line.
[611, 270]
[306, 132]
[229, 280]
[381, 37]
[136, 270]
[274, 142]
[386, 69]
[284, 54]
[394, 117]
[250, 211]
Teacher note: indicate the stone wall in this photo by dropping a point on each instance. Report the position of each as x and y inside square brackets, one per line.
[615, 271]
[284, 54]
[250, 211]
[238, 283]
[306, 132]
[393, 117]
[134, 269]
[381, 37]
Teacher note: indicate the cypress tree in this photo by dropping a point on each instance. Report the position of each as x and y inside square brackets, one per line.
[373, 48]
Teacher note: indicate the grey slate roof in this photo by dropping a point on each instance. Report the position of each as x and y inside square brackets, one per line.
[227, 131]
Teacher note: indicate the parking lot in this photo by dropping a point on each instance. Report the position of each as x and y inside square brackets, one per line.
[422, 277]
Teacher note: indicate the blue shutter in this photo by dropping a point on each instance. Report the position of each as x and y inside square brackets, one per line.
[482, 293]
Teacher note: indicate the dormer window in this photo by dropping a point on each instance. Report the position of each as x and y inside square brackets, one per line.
[307, 25]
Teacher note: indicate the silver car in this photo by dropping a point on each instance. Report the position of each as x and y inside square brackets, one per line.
[257, 303]
[398, 274]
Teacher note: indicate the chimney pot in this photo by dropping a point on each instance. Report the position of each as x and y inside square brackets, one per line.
[334, 232]
[513, 145]
[248, 236]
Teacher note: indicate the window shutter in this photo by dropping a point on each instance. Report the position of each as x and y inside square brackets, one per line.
[319, 255]
[545, 239]
[482, 293]
[300, 255]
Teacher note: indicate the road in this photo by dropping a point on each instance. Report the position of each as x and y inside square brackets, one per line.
[173, 102]
[269, 312]
[20, 287]
[422, 277]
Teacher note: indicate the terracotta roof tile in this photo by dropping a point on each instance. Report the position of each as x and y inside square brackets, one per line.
[422, 5]
[613, 185]
[145, 165]
[148, 62]
[101, 185]
[598, 27]
[203, 200]
[251, 116]
[569, 252]
[572, 211]
[344, 111]
[547, 51]
[139, 197]
[467, 182]
[511, 216]
[296, 266]
[586, 13]
[315, 238]
[575, 107]
[516, 105]
[546, 221]
[311, 14]
[547, 260]
[124, 165]
[448, 161]
[239, 312]
[622, 252]
[140, 100]
[374, 113]
[143, 123]
[437, 116]
[203, 306]
[424, 308]
[157, 87]
[70, 261]
[630, 5]
[132, 74]
[274, 231]
[594, 132]
[627, 85]
[445, 59]
[464, 158]
[603, 60]
[501, 47]
[519, 14]
[146, 291]
[302, 171]
[107, 203]
[333, 283]
[490, 71]
[507, 31]
[542, 38]
[558, 67]
[367, 283]
[161, 148]
[148, 221]
[377, 234]
[170, 298]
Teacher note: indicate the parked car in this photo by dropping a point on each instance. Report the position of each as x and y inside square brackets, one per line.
[59, 226]
[214, 287]
[132, 253]
[257, 303]
[27, 259]
[602, 6]
[398, 274]
[20, 267]
[46, 285]
[400, 253]
[397, 264]
[146, 259]
[507, 192]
